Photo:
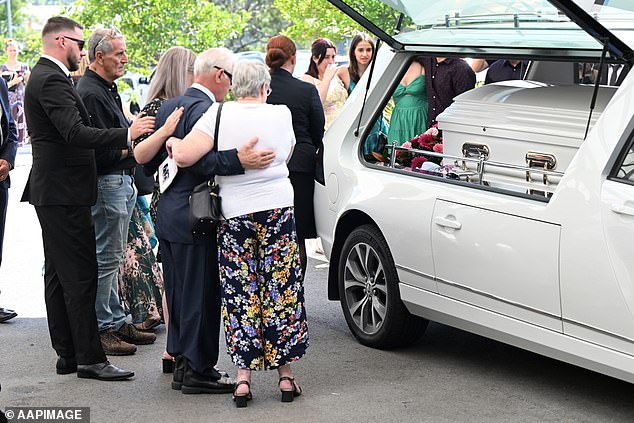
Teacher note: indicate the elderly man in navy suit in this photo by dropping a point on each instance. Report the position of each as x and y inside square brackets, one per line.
[8, 147]
[190, 264]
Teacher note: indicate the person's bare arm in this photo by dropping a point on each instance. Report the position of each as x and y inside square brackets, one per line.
[147, 149]
[190, 149]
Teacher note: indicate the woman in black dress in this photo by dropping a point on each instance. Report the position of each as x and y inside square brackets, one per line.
[303, 100]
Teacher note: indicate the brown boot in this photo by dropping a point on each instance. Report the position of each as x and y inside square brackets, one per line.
[112, 345]
[129, 333]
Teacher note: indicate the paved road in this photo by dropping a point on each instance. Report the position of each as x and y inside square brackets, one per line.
[448, 376]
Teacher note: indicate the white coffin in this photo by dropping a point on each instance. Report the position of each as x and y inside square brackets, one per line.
[515, 121]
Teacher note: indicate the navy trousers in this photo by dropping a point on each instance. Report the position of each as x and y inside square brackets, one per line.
[192, 288]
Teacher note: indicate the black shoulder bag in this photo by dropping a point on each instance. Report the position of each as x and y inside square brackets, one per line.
[204, 202]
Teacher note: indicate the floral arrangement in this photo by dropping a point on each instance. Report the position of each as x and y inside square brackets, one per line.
[431, 140]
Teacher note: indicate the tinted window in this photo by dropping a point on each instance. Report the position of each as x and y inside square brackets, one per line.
[624, 170]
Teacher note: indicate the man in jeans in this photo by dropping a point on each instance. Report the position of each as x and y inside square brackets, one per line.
[116, 194]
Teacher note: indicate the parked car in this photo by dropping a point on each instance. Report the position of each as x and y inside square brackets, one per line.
[137, 86]
[251, 55]
[522, 231]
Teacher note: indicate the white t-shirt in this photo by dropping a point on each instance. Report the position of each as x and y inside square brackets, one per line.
[260, 189]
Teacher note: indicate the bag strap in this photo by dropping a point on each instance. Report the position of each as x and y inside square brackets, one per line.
[215, 147]
[212, 180]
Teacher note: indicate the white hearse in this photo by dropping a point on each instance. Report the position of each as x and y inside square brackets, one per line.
[524, 232]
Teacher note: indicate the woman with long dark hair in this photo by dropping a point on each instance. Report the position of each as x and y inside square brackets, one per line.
[322, 73]
[360, 55]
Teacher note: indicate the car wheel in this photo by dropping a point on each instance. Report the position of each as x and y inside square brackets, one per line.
[369, 293]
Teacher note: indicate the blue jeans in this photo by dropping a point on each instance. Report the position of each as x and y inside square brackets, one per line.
[116, 196]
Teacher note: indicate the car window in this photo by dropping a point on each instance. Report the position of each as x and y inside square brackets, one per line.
[489, 137]
[624, 170]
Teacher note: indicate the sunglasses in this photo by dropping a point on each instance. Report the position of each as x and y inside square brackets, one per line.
[229, 75]
[80, 43]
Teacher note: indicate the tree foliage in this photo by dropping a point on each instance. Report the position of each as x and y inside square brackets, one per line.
[18, 14]
[265, 21]
[152, 26]
[312, 19]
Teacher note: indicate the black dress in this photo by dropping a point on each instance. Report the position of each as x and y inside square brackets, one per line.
[303, 101]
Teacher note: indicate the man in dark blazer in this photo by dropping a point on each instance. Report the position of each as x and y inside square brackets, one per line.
[8, 148]
[190, 264]
[62, 187]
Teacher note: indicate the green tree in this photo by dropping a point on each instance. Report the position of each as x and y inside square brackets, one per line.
[265, 21]
[18, 10]
[152, 26]
[311, 19]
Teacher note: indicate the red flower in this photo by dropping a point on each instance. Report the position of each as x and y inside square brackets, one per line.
[418, 161]
[438, 148]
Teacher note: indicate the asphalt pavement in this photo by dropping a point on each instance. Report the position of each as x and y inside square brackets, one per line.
[448, 376]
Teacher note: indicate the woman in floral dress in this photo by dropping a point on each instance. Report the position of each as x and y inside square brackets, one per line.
[141, 280]
[20, 72]
[260, 273]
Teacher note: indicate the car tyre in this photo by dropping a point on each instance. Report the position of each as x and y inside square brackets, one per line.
[369, 292]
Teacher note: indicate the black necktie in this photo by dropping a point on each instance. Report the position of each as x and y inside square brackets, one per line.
[72, 81]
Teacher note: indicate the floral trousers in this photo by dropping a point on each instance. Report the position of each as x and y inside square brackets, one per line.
[262, 293]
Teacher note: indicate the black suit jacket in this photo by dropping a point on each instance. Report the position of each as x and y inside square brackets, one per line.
[303, 101]
[9, 138]
[173, 207]
[64, 171]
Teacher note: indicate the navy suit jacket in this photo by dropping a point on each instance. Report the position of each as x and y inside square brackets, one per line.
[9, 139]
[173, 206]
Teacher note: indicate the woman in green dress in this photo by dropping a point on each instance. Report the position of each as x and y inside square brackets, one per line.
[409, 117]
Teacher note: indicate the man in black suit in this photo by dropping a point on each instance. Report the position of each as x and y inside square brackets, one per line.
[190, 264]
[8, 147]
[62, 187]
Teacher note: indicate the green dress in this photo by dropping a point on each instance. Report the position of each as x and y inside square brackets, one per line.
[409, 117]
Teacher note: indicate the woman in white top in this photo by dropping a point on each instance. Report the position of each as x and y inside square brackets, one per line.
[262, 293]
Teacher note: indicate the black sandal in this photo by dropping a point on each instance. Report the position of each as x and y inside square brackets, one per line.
[241, 400]
[287, 396]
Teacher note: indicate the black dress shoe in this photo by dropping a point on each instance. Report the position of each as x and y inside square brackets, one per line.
[6, 314]
[197, 383]
[66, 365]
[102, 371]
[179, 372]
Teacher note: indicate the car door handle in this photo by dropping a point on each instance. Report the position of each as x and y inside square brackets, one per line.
[447, 223]
[623, 209]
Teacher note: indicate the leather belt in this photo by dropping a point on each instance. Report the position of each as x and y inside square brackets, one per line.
[129, 172]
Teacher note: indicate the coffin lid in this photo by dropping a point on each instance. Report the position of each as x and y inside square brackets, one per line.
[527, 107]
[522, 29]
